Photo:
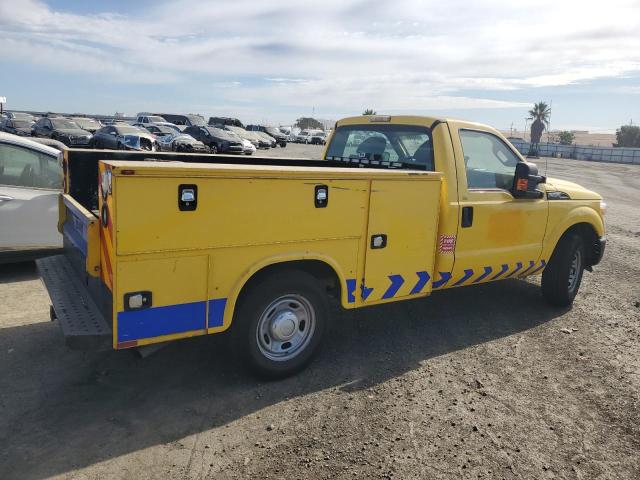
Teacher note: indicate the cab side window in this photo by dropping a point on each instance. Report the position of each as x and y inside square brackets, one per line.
[489, 163]
[21, 167]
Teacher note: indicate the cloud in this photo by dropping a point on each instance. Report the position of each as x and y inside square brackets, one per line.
[343, 54]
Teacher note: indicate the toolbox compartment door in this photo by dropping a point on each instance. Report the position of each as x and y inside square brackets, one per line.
[401, 239]
[80, 229]
[176, 293]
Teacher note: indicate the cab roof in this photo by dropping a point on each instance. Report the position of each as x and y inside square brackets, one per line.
[426, 121]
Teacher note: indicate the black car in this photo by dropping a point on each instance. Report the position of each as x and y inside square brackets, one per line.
[16, 126]
[122, 136]
[218, 140]
[63, 130]
[88, 124]
[280, 137]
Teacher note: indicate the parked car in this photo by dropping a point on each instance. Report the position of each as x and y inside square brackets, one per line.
[30, 183]
[183, 121]
[146, 118]
[20, 116]
[181, 142]
[304, 136]
[63, 130]
[253, 137]
[318, 138]
[218, 140]
[274, 132]
[161, 130]
[124, 137]
[249, 148]
[234, 122]
[268, 139]
[16, 126]
[89, 124]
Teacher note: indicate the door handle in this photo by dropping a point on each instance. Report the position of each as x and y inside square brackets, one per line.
[467, 217]
[5, 198]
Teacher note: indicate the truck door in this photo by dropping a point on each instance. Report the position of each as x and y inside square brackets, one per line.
[498, 236]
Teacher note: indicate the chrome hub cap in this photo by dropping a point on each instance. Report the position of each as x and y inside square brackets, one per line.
[286, 327]
[574, 270]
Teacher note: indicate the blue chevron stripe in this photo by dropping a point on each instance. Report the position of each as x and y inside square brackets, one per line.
[518, 267]
[504, 269]
[351, 290]
[365, 291]
[444, 278]
[396, 282]
[487, 271]
[542, 265]
[531, 265]
[423, 279]
[467, 275]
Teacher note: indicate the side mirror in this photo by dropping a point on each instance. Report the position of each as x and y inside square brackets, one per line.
[526, 181]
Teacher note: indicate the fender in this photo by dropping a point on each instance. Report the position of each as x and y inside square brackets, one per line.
[275, 260]
[579, 214]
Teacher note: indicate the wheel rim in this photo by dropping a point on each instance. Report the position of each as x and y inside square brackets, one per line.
[286, 327]
[574, 270]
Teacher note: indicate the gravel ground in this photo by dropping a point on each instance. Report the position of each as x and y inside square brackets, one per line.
[478, 382]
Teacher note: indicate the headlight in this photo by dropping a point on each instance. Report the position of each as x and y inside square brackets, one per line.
[603, 207]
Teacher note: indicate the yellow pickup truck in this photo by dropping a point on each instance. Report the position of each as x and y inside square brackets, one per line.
[399, 207]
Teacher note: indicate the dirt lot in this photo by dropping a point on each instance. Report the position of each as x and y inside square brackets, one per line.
[476, 382]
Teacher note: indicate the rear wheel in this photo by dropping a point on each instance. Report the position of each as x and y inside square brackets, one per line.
[562, 277]
[279, 323]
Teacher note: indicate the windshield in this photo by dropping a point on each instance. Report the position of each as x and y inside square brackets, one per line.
[63, 123]
[155, 119]
[21, 123]
[197, 120]
[86, 122]
[273, 131]
[400, 146]
[237, 130]
[123, 130]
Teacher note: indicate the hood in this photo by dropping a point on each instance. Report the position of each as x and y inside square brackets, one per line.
[575, 191]
[72, 131]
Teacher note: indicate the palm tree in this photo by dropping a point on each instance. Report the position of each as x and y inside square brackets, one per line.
[540, 114]
[369, 111]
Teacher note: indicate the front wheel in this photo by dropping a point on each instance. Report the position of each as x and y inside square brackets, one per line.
[279, 323]
[562, 277]
[213, 149]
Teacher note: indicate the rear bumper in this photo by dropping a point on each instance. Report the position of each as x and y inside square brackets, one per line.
[598, 250]
[83, 325]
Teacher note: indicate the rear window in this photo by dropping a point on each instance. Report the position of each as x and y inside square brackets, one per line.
[398, 146]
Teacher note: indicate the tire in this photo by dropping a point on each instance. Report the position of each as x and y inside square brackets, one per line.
[120, 146]
[562, 277]
[277, 350]
[213, 149]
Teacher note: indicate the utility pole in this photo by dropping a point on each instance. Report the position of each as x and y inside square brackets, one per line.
[549, 126]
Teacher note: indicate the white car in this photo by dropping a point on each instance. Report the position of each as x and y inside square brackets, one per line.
[30, 183]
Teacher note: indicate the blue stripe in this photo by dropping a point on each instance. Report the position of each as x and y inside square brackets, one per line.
[351, 290]
[216, 312]
[542, 265]
[487, 271]
[75, 237]
[518, 267]
[467, 275]
[505, 267]
[365, 291]
[531, 264]
[396, 282]
[156, 321]
[423, 279]
[444, 278]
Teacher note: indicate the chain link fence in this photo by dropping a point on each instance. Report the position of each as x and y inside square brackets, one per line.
[581, 152]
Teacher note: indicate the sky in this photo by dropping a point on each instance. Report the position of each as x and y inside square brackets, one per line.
[274, 61]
